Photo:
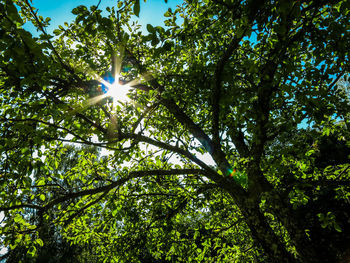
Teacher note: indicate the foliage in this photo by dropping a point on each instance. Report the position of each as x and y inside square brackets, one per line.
[253, 84]
[52, 246]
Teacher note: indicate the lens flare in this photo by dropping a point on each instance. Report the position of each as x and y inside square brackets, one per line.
[232, 172]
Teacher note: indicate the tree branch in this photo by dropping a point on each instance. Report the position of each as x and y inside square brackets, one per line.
[237, 137]
[46, 123]
[81, 210]
[82, 116]
[142, 138]
[9, 208]
[121, 181]
[215, 150]
[216, 92]
[65, 66]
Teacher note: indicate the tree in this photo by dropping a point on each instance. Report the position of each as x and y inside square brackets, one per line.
[251, 83]
[54, 248]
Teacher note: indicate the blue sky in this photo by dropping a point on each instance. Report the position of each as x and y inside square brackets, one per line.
[60, 10]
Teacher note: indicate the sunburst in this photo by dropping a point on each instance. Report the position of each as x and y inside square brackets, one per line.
[117, 90]
[115, 87]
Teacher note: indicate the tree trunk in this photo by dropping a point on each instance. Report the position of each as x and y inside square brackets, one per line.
[284, 213]
[263, 234]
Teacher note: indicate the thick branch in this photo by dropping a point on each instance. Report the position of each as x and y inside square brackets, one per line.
[121, 181]
[162, 145]
[216, 92]
[215, 150]
[106, 188]
[237, 137]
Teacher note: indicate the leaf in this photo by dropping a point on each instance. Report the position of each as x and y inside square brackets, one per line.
[137, 8]
[310, 152]
[18, 219]
[114, 213]
[32, 251]
[79, 9]
[168, 13]
[13, 13]
[41, 182]
[337, 227]
[167, 46]
[13, 246]
[155, 40]
[150, 28]
[57, 32]
[42, 197]
[40, 242]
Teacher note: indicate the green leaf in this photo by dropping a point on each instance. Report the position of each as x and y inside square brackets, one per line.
[337, 227]
[41, 182]
[115, 212]
[32, 251]
[137, 8]
[155, 40]
[18, 219]
[310, 152]
[40, 242]
[42, 197]
[150, 28]
[168, 13]
[13, 13]
[57, 32]
[79, 9]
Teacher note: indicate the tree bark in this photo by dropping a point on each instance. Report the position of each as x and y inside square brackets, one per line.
[263, 234]
[284, 213]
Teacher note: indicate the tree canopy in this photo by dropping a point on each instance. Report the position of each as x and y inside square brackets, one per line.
[260, 86]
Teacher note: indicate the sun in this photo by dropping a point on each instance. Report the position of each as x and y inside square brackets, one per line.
[113, 86]
[118, 91]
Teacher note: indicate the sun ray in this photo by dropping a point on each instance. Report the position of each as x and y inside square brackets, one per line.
[102, 81]
[117, 64]
[114, 86]
[145, 77]
[95, 100]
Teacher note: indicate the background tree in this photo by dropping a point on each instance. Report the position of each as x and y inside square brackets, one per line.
[54, 248]
[251, 83]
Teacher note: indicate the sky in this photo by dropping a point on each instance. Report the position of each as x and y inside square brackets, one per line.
[59, 11]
